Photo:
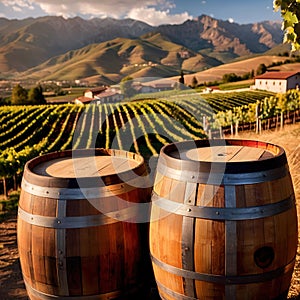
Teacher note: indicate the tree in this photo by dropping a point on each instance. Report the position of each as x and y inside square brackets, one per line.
[230, 77]
[19, 95]
[127, 88]
[290, 13]
[35, 96]
[261, 69]
[194, 82]
[181, 78]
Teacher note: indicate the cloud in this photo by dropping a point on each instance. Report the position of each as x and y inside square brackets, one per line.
[154, 12]
[17, 8]
[231, 20]
[18, 4]
[113, 8]
[155, 17]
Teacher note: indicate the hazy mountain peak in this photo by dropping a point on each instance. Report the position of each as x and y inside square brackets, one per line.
[30, 42]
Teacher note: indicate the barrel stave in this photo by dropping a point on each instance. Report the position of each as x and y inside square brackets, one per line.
[246, 248]
[73, 247]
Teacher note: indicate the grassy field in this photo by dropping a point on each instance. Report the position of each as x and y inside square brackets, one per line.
[72, 93]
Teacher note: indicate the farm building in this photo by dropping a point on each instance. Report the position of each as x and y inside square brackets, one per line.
[109, 96]
[91, 93]
[100, 95]
[154, 86]
[277, 82]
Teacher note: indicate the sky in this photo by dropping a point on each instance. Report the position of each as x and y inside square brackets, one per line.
[153, 12]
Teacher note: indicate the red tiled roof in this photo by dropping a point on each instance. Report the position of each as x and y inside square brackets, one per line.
[97, 89]
[277, 75]
[84, 99]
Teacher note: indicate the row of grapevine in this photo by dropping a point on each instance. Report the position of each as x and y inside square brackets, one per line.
[215, 102]
[142, 127]
[44, 130]
[139, 126]
[275, 108]
[229, 100]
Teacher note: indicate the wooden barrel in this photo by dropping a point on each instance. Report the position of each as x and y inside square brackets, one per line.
[69, 247]
[223, 221]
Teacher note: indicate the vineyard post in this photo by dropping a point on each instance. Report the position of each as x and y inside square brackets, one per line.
[15, 179]
[4, 187]
[229, 117]
[221, 132]
[206, 127]
[8, 168]
[3, 175]
[237, 127]
[258, 120]
[282, 106]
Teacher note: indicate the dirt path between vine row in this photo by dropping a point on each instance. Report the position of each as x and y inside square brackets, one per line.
[12, 285]
[11, 282]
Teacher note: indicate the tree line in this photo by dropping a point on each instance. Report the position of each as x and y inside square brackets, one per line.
[22, 96]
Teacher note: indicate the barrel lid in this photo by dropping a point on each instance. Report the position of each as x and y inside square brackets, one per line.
[89, 166]
[228, 153]
[223, 155]
[69, 167]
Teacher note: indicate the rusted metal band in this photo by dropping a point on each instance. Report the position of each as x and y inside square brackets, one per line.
[74, 222]
[80, 193]
[44, 296]
[171, 293]
[220, 279]
[222, 213]
[223, 178]
[178, 296]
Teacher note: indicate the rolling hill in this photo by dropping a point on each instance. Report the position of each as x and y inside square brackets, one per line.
[239, 67]
[27, 43]
[109, 48]
[151, 56]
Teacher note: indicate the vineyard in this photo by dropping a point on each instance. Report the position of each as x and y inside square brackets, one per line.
[142, 126]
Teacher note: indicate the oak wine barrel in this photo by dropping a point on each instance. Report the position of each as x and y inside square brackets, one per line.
[223, 221]
[78, 237]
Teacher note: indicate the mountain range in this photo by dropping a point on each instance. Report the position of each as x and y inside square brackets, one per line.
[109, 49]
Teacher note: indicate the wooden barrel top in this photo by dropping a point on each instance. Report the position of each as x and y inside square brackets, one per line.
[232, 155]
[228, 153]
[89, 166]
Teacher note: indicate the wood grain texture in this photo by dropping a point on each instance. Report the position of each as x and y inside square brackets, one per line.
[105, 260]
[252, 257]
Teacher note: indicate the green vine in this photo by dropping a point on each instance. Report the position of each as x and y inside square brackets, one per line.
[290, 13]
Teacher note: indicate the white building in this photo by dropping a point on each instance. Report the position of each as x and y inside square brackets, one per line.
[277, 82]
[109, 96]
[91, 93]
[154, 86]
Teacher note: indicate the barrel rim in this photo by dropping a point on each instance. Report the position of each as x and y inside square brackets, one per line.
[44, 180]
[279, 159]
